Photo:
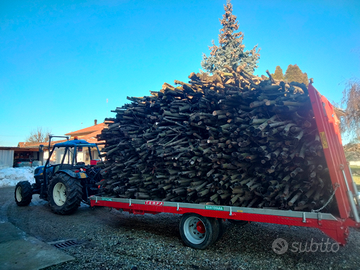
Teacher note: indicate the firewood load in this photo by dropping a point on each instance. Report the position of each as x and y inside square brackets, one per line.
[227, 139]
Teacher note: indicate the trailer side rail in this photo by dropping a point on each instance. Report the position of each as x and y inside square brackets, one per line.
[334, 227]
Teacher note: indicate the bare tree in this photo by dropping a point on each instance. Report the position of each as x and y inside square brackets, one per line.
[38, 135]
[351, 100]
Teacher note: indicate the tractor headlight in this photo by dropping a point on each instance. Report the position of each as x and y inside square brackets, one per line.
[38, 170]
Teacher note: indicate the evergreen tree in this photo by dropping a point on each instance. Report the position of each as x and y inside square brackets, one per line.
[305, 79]
[230, 50]
[294, 74]
[278, 75]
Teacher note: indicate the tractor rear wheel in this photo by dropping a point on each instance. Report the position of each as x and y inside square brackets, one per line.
[65, 194]
[23, 193]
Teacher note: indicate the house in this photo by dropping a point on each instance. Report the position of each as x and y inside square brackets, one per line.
[36, 152]
[40, 150]
[88, 134]
[33, 151]
[8, 155]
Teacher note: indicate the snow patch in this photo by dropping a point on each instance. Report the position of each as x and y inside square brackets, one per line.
[11, 176]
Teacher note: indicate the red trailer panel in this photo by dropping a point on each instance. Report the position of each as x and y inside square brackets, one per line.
[328, 126]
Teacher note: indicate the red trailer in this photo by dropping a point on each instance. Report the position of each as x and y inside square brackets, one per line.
[201, 225]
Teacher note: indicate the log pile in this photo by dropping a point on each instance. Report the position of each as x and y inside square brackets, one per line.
[227, 139]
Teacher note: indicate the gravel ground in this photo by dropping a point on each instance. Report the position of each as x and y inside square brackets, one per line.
[110, 239]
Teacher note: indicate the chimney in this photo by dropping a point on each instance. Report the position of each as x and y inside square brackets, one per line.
[95, 122]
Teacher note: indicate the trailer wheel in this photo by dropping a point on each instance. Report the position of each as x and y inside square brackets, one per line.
[65, 194]
[197, 231]
[221, 228]
[23, 193]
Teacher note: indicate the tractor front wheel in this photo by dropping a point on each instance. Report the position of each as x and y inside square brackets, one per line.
[23, 193]
[64, 194]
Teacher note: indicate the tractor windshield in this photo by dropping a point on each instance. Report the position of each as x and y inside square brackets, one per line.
[75, 155]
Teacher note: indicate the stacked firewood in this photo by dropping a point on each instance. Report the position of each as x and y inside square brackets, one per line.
[226, 139]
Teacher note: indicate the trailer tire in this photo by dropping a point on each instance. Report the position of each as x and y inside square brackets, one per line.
[197, 231]
[23, 193]
[221, 228]
[65, 194]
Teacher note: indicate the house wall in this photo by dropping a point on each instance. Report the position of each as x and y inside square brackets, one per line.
[7, 158]
[80, 156]
[44, 156]
[59, 154]
[95, 154]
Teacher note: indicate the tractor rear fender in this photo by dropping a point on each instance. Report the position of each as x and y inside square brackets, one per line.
[77, 175]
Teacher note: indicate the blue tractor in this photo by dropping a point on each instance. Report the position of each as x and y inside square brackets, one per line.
[65, 184]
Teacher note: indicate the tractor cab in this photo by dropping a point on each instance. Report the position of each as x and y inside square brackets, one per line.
[68, 177]
[68, 157]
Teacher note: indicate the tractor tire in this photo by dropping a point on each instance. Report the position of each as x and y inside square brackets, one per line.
[197, 231]
[23, 193]
[64, 194]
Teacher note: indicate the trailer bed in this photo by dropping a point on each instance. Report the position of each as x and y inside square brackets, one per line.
[335, 226]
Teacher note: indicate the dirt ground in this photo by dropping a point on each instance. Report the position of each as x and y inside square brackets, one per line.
[110, 239]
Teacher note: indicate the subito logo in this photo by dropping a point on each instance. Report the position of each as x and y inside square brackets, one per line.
[280, 246]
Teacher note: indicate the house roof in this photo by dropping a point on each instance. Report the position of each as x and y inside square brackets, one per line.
[91, 138]
[20, 149]
[88, 134]
[37, 144]
[95, 128]
[30, 144]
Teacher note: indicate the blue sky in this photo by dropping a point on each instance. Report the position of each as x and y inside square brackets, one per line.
[65, 63]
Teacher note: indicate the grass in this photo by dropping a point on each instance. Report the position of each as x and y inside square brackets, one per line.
[356, 171]
[356, 179]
